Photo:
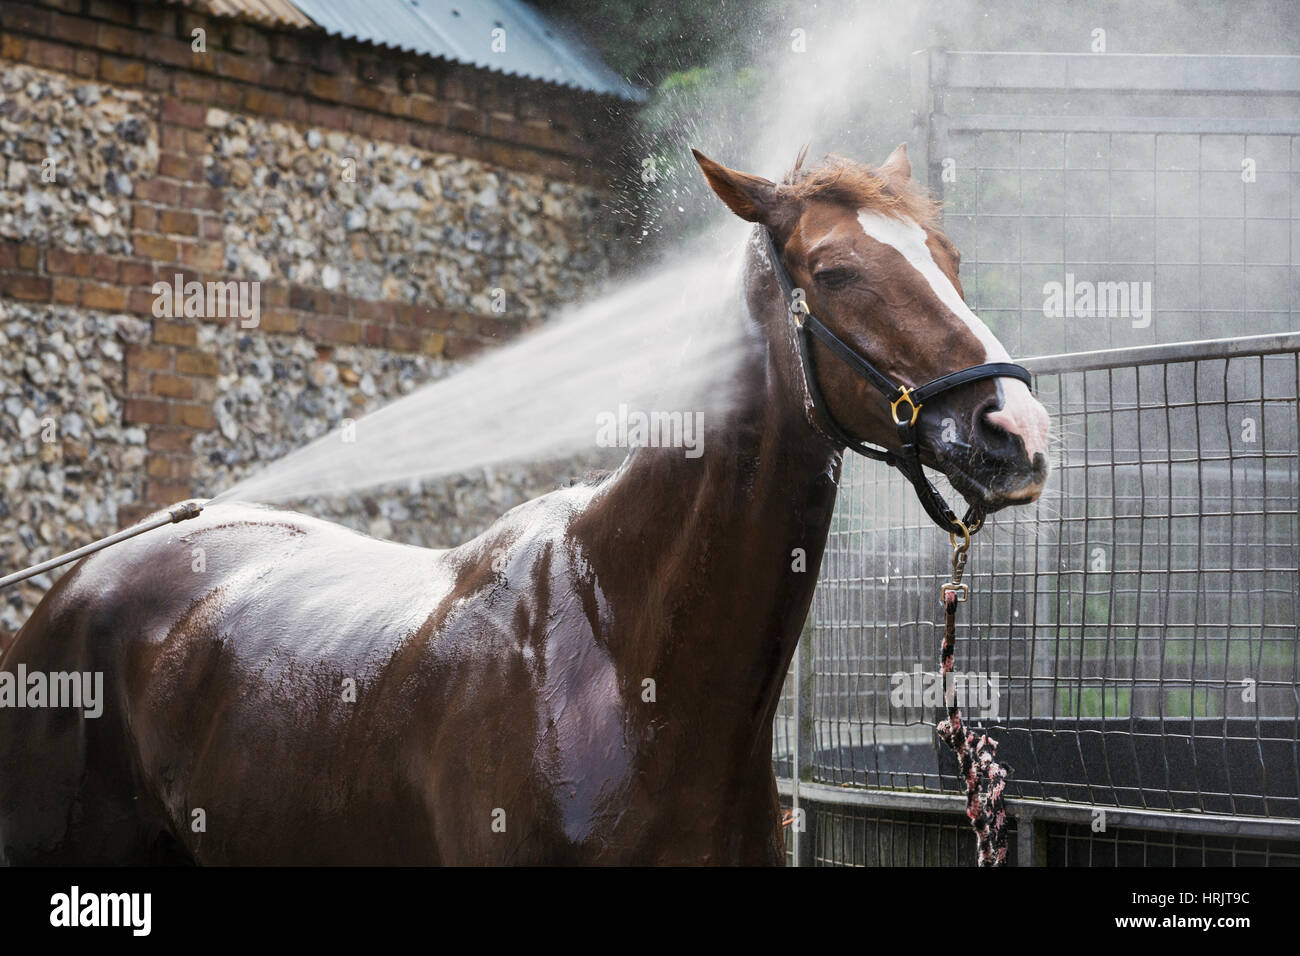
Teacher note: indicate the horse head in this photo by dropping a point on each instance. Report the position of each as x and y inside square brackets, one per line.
[862, 257]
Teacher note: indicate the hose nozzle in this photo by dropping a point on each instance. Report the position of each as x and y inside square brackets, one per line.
[182, 512]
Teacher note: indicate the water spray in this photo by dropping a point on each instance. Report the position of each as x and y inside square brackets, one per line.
[182, 512]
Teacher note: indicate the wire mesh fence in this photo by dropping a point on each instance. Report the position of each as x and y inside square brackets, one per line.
[1133, 641]
[1079, 845]
[867, 836]
[861, 836]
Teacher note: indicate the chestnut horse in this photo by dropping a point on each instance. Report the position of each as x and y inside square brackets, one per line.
[591, 680]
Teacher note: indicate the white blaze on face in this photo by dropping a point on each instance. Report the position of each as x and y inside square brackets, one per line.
[1021, 414]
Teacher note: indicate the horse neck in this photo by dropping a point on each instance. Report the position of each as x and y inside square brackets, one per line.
[707, 550]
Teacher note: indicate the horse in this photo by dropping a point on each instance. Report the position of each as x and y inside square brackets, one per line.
[592, 680]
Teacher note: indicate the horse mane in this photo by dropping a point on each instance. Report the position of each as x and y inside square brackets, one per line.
[842, 180]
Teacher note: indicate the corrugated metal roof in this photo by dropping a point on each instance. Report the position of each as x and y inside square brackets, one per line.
[273, 12]
[462, 30]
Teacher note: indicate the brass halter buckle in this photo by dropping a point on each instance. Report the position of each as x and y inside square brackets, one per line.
[904, 395]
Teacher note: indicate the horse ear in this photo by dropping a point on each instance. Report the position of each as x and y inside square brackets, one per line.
[897, 168]
[750, 197]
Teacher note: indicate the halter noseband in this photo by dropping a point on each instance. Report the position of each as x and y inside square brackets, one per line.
[909, 461]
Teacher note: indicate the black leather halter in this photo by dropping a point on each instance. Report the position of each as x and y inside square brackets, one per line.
[909, 460]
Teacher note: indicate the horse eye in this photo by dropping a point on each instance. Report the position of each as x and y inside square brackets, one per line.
[834, 278]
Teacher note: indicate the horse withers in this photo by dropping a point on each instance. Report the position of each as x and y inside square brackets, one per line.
[591, 680]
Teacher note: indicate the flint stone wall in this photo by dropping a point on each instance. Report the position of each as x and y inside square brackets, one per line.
[397, 213]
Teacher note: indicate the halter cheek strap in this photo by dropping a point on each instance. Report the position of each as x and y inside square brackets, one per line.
[904, 403]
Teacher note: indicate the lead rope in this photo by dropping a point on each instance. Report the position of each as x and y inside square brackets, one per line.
[984, 777]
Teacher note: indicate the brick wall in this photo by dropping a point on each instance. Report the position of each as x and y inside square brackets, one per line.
[307, 77]
[223, 165]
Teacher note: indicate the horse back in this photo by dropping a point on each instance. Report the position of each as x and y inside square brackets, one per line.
[277, 688]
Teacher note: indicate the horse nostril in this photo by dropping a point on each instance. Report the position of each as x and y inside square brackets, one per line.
[989, 427]
[998, 436]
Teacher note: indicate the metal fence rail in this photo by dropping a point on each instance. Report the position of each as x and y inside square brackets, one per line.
[1134, 641]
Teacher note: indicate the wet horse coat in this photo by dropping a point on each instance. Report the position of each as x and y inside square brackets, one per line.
[317, 696]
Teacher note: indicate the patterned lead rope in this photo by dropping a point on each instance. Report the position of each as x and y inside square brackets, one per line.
[984, 777]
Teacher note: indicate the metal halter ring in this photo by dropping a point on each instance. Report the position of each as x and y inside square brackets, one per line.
[966, 533]
[904, 395]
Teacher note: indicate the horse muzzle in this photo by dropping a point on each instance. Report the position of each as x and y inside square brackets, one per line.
[989, 463]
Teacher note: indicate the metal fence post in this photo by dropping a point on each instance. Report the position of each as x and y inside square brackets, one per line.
[801, 768]
[926, 67]
[1031, 842]
[795, 836]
